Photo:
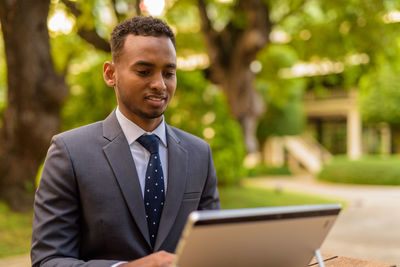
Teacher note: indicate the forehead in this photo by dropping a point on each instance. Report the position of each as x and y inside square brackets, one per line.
[148, 48]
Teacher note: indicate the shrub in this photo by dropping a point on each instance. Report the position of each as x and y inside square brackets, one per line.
[200, 108]
[90, 98]
[373, 170]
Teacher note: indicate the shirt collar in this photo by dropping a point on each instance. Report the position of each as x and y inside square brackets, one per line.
[132, 131]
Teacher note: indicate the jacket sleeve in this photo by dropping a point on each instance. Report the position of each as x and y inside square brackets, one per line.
[56, 228]
[210, 197]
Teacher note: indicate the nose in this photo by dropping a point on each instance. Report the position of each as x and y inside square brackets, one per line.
[158, 82]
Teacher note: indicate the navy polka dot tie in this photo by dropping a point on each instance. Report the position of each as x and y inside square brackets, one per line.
[154, 185]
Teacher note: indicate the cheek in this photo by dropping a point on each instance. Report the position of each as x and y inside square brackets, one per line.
[171, 87]
[132, 85]
[129, 78]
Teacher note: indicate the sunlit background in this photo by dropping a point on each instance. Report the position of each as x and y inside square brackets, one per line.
[328, 77]
[60, 23]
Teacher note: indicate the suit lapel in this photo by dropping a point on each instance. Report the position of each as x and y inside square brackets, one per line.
[177, 171]
[120, 158]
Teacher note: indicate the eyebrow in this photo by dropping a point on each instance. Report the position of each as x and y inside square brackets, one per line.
[149, 64]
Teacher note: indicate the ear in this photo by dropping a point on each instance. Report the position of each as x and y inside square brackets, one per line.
[109, 73]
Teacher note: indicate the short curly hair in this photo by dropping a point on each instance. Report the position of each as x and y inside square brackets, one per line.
[138, 25]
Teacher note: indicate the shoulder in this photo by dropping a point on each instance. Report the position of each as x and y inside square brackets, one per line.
[90, 135]
[186, 139]
[82, 143]
[83, 132]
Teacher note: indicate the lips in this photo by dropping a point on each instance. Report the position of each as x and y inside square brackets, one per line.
[155, 100]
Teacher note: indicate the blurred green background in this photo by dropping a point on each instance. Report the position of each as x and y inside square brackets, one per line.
[316, 56]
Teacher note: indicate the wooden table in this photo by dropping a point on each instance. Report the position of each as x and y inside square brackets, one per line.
[339, 261]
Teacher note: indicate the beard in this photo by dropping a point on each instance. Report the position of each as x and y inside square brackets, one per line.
[152, 114]
[147, 115]
[138, 107]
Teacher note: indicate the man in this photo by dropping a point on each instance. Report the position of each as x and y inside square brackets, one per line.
[108, 196]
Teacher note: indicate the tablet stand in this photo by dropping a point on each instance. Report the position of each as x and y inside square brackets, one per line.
[319, 258]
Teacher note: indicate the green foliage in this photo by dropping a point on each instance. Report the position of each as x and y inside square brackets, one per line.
[284, 115]
[373, 170]
[338, 28]
[95, 14]
[183, 15]
[201, 109]
[90, 98]
[65, 49]
[15, 232]
[336, 31]
[380, 94]
[251, 197]
[283, 118]
[279, 121]
[317, 29]
[221, 14]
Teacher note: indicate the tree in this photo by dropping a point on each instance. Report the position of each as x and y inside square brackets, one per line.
[86, 29]
[235, 34]
[35, 94]
[231, 51]
[34, 99]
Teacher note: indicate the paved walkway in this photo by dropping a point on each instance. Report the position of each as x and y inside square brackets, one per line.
[369, 227]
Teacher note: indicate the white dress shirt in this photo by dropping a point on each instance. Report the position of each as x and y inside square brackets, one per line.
[140, 154]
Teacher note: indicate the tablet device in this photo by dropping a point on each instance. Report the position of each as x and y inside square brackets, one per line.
[258, 237]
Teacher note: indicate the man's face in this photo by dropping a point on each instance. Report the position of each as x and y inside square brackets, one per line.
[145, 78]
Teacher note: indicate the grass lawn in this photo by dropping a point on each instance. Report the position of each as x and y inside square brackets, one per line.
[15, 232]
[15, 228]
[251, 197]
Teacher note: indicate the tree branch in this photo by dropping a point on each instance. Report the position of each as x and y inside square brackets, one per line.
[93, 38]
[116, 13]
[294, 9]
[137, 8]
[205, 21]
[72, 7]
[89, 35]
[256, 35]
[212, 40]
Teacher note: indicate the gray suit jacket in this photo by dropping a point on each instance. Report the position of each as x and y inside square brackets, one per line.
[89, 207]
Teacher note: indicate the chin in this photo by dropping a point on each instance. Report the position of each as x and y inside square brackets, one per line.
[153, 115]
[147, 113]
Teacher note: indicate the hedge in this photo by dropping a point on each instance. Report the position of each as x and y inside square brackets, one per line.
[372, 170]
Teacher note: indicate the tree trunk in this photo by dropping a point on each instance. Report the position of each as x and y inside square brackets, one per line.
[231, 51]
[246, 104]
[35, 95]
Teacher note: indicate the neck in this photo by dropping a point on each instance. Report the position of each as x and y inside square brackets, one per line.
[149, 126]
[146, 124]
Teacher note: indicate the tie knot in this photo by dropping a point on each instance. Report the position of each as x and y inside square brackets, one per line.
[150, 142]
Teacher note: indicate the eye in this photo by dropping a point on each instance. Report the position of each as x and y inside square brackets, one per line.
[143, 72]
[169, 74]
